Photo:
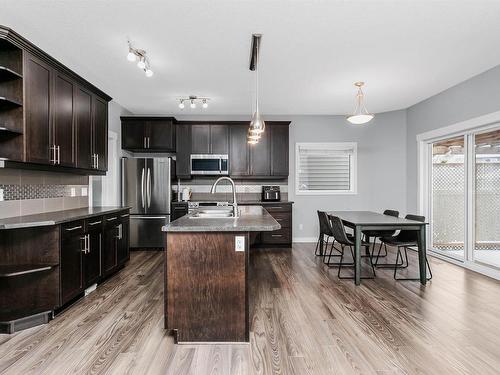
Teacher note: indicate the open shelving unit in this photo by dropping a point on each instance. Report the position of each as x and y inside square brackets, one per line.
[11, 101]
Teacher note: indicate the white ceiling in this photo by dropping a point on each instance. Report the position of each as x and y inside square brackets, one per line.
[312, 51]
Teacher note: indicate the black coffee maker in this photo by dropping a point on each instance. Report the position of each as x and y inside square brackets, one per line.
[271, 193]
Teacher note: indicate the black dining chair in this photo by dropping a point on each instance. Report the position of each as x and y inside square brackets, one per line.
[380, 233]
[325, 231]
[341, 237]
[403, 240]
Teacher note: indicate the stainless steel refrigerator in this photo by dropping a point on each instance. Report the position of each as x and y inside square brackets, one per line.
[147, 189]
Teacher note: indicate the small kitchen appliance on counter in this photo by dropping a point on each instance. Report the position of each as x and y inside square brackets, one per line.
[271, 193]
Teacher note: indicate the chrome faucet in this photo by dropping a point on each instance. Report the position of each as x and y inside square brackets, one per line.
[235, 205]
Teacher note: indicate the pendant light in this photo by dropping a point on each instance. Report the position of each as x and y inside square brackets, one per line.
[257, 124]
[360, 115]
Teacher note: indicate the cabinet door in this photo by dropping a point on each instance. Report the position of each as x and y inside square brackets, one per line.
[92, 260]
[239, 162]
[260, 156]
[183, 146]
[279, 150]
[133, 135]
[100, 132]
[83, 106]
[219, 139]
[161, 135]
[123, 253]
[72, 246]
[39, 139]
[109, 247]
[200, 139]
[64, 119]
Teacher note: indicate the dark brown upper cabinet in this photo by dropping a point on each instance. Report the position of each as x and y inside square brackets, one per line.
[279, 149]
[64, 120]
[183, 147]
[62, 124]
[148, 134]
[239, 152]
[99, 133]
[38, 83]
[260, 156]
[83, 104]
[209, 139]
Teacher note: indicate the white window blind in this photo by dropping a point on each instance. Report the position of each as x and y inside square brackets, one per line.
[325, 168]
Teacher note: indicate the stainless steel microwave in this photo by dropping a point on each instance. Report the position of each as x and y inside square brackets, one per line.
[204, 164]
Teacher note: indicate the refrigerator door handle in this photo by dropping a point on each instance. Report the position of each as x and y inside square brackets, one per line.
[142, 187]
[148, 187]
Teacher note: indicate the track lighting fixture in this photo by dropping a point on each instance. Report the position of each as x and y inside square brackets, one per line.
[139, 55]
[193, 101]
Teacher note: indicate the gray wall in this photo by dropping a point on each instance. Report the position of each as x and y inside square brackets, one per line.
[381, 166]
[475, 97]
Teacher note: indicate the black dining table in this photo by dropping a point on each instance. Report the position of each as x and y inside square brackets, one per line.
[361, 221]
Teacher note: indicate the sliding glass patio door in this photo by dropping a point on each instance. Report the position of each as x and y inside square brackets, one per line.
[486, 195]
[448, 196]
[464, 196]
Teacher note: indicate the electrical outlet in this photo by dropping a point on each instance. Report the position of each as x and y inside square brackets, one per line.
[85, 192]
[73, 192]
[239, 243]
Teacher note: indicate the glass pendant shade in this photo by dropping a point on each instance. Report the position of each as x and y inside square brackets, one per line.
[360, 115]
[257, 124]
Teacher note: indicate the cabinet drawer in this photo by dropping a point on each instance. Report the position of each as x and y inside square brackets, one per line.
[284, 218]
[112, 219]
[73, 228]
[93, 222]
[282, 235]
[278, 207]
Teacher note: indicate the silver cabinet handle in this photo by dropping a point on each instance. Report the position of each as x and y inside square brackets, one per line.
[276, 235]
[88, 243]
[148, 182]
[74, 228]
[95, 222]
[125, 215]
[84, 238]
[277, 207]
[142, 187]
[145, 142]
[53, 149]
[111, 218]
[119, 227]
[58, 154]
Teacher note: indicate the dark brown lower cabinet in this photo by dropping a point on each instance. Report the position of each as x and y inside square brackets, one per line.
[72, 248]
[115, 251]
[92, 255]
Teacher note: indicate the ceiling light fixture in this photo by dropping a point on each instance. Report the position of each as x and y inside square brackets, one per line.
[135, 54]
[257, 124]
[360, 115]
[193, 101]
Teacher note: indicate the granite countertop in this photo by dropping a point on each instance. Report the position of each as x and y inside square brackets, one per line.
[251, 219]
[56, 217]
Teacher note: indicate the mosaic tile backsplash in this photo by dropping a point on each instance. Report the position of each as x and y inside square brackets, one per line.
[17, 192]
[33, 192]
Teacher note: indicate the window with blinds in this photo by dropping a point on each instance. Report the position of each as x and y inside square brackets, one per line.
[325, 168]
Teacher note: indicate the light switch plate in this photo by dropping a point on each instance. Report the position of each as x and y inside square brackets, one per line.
[239, 243]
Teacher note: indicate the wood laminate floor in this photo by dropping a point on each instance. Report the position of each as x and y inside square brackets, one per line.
[304, 321]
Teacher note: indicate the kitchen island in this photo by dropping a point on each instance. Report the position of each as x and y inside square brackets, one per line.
[206, 275]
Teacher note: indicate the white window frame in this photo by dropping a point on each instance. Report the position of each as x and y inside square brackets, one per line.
[336, 146]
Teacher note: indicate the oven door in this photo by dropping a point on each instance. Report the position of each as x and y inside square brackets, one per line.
[208, 164]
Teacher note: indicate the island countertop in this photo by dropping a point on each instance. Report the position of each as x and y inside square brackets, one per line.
[251, 219]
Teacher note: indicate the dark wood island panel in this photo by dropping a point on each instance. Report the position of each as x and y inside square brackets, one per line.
[206, 287]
